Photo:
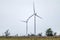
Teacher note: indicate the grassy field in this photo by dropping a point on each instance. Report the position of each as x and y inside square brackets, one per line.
[29, 38]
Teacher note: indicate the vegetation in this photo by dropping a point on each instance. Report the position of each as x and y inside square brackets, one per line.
[49, 36]
[7, 33]
[40, 34]
[29, 38]
[55, 34]
[49, 32]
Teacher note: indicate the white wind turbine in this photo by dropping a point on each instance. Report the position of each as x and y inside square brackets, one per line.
[34, 14]
[26, 26]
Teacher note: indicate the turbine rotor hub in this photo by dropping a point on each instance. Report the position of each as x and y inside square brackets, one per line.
[35, 14]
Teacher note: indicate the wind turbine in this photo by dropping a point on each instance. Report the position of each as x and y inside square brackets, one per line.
[26, 26]
[34, 14]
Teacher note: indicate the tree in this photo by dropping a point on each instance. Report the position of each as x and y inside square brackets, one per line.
[7, 33]
[28, 34]
[40, 34]
[55, 34]
[16, 35]
[32, 34]
[49, 32]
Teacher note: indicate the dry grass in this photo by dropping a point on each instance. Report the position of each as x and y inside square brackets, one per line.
[29, 38]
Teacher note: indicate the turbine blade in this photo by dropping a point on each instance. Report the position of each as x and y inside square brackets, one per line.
[33, 6]
[30, 17]
[39, 17]
[23, 21]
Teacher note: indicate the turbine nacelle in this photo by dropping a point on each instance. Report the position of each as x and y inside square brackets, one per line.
[24, 21]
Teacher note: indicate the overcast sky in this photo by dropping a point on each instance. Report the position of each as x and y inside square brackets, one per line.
[13, 11]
